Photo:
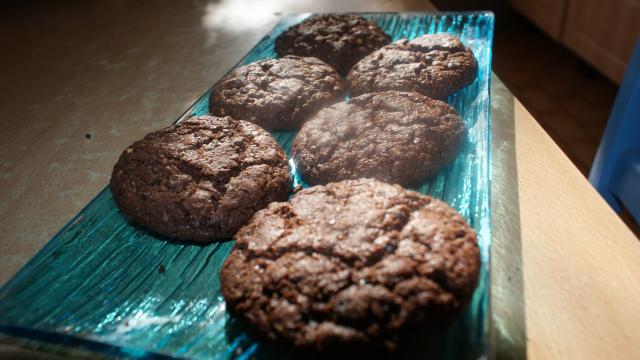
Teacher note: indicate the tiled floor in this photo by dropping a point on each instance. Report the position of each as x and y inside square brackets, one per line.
[570, 99]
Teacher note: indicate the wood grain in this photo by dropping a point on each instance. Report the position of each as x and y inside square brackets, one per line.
[581, 264]
[547, 14]
[604, 33]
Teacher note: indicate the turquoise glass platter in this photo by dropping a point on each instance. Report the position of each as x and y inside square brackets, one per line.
[105, 285]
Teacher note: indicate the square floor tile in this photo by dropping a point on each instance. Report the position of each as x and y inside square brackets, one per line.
[563, 126]
[581, 110]
[596, 130]
[585, 151]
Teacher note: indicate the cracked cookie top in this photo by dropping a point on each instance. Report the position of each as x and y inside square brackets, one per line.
[340, 40]
[277, 94]
[398, 137]
[202, 179]
[353, 264]
[436, 65]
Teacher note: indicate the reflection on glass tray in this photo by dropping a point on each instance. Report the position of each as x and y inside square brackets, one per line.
[106, 285]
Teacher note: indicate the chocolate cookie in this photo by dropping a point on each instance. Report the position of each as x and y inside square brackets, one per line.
[202, 179]
[340, 40]
[358, 264]
[277, 94]
[398, 137]
[433, 65]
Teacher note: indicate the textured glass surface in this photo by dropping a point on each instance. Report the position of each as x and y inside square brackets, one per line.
[104, 283]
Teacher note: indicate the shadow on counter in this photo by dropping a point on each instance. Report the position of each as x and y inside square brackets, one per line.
[508, 324]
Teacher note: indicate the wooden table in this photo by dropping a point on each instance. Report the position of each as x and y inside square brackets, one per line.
[82, 81]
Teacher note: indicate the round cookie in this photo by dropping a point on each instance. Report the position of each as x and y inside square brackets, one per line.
[277, 94]
[202, 179]
[340, 40]
[433, 65]
[355, 265]
[398, 137]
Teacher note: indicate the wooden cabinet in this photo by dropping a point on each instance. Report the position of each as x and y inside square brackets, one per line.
[603, 33]
[547, 14]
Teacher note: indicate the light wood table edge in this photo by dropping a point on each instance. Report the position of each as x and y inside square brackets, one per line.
[565, 268]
